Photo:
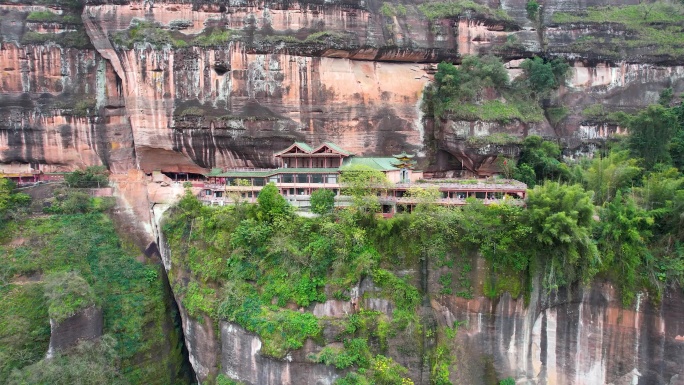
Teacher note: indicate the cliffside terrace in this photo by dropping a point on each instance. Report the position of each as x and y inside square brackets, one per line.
[296, 185]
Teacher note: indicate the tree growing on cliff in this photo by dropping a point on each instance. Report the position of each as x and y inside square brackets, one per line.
[543, 76]
[67, 293]
[322, 201]
[363, 183]
[272, 205]
[93, 176]
[10, 200]
[650, 132]
[543, 157]
[623, 234]
[561, 218]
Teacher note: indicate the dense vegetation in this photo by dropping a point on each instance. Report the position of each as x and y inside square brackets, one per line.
[480, 89]
[56, 264]
[653, 27]
[618, 215]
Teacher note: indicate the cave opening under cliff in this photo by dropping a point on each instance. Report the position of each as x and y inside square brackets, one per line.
[184, 176]
[448, 165]
[221, 69]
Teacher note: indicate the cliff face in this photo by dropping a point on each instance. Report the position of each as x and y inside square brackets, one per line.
[580, 337]
[101, 89]
[575, 336]
[348, 72]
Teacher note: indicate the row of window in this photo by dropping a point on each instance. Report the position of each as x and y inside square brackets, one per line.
[283, 178]
[254, 194]
[312, 163]
[397, 194]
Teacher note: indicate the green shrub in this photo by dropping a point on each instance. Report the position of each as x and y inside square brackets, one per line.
[89, 362]
[146, 32]
[532, 8]
[24, 325]
[43, 16]
[557, 114]
[453, 8]
[191, 111]
[217, 38]
[542, 76]
[322, 201]
[11, 202]
[199, 301]
[224, 380]
[67, 294]
[92, 176]
[72, 39]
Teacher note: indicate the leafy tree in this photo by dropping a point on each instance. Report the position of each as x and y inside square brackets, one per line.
[560, 218]
[67, 293]
[508, 380]
[363, 183]
[272, 205]
[662, 193]
[607, 175]
[677, 142]
[322, 201]
[93, 176]
[467, 82]
[532, 8]
[88, 363]
[9, 200]
[622, 235]
[542, 76]
[544, 158]
[525, 174]
[677, 149]
[650, 132]
[666, 97]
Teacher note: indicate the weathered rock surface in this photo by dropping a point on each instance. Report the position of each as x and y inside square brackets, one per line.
[583, 337]
[85, 325]
[360, 83]
[240, 359]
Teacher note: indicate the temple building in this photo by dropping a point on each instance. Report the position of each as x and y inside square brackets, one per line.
[304, 169]
[27, 174]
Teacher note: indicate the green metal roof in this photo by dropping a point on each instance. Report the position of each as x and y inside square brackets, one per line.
[304, 146]
[245, 174]
[337, 148]
[215, 172]
[380, 164]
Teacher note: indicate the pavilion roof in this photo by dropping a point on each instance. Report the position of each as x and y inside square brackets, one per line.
[376, 163]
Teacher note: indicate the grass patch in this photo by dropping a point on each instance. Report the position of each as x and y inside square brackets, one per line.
[50, 17]
[391, 10]
[24, 327]
[216, 38]
[321, 37]
[656, 26]
[142, 32]
[596, 113]
[74, 39]
[454, 8]
[557, 114]
[496, 111]
[133, 304]
[499, 138]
